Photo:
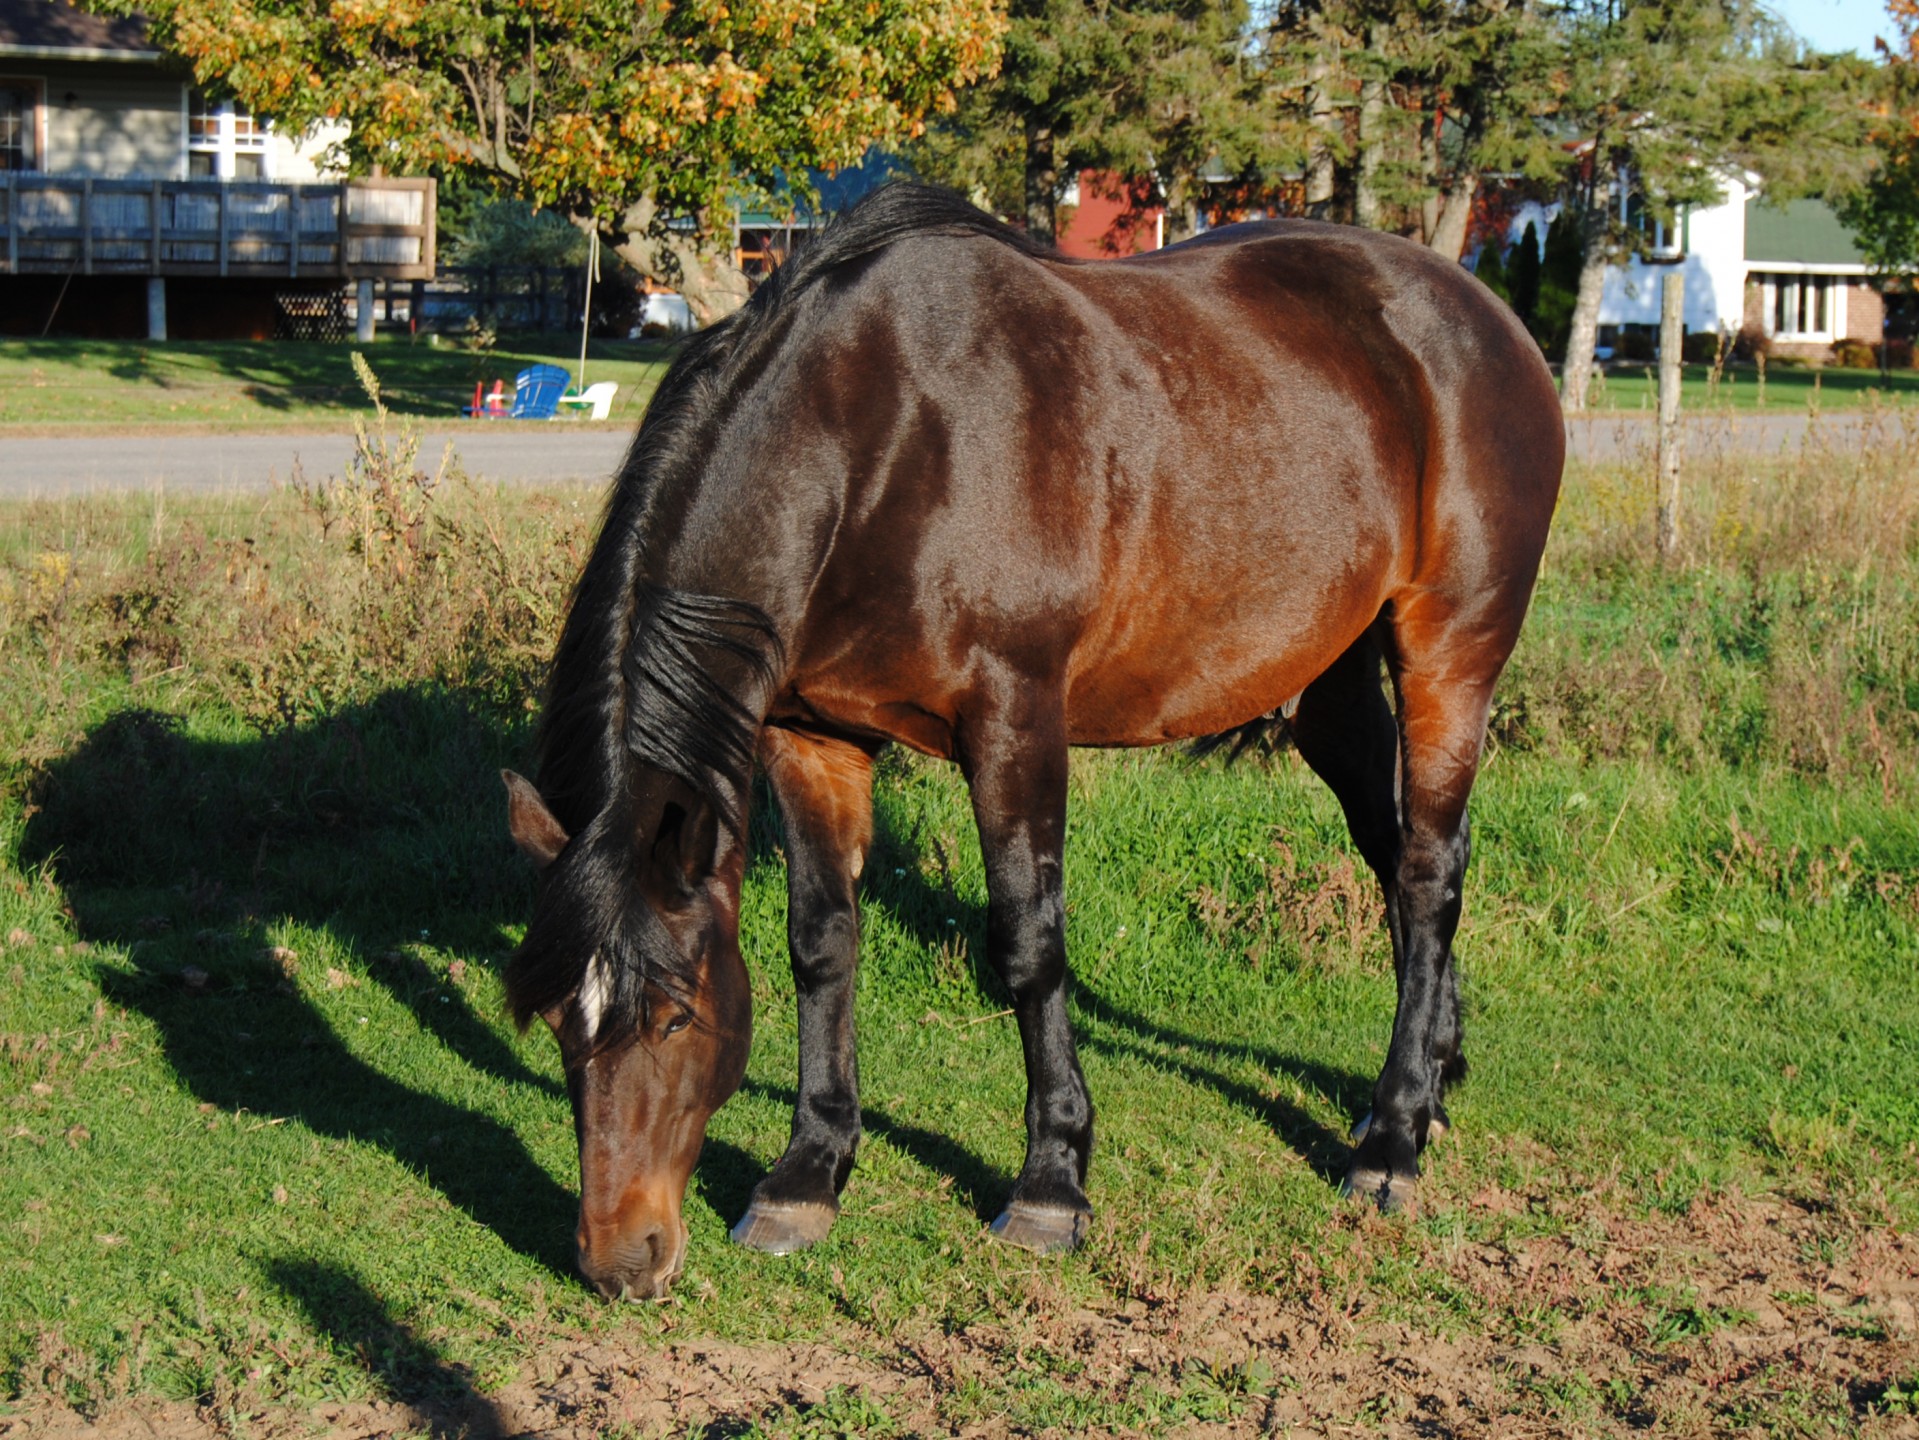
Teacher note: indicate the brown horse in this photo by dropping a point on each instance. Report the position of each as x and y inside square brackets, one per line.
[936, 485]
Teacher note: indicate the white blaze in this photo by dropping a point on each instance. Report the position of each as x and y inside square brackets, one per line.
[596, 988]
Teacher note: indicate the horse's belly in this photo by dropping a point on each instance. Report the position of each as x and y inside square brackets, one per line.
[1178, 674]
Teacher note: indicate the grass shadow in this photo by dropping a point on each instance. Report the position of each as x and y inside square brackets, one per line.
[405, 1367]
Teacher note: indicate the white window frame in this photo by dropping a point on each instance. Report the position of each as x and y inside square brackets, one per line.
[235, 132]
[36, 89]
[1772, 282]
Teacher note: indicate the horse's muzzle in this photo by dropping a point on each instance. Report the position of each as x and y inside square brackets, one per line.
[641, 1264]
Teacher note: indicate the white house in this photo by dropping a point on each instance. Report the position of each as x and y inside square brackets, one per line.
[1792, 273]
[121, 178]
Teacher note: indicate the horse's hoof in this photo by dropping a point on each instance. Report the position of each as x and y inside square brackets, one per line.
[1393, 1194]
[1043, 1229]
[1435, 1128]
[783, 1229]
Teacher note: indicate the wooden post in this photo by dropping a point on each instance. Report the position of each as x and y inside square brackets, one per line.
[1672, 330]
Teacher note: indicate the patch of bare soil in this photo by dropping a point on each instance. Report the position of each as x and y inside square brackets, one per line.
[1760, 1316]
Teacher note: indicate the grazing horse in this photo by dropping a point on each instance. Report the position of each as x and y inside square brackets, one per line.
[936, 485]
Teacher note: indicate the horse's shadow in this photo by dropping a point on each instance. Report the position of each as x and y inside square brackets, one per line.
[374, 826]
[381, 824]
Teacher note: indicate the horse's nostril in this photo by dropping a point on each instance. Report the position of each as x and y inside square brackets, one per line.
[635, 1270]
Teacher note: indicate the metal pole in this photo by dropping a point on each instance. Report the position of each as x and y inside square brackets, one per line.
[586, 319]
[1672, 330]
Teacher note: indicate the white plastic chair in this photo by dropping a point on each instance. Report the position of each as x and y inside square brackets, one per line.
[599, 397]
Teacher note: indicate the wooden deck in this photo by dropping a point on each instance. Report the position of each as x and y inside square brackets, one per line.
[358, 229]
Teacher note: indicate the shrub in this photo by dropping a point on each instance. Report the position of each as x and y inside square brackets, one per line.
[1700, 347]
[1854, 355]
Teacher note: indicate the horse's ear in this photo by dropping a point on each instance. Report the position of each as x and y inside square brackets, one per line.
[686, 846]
[532, 826]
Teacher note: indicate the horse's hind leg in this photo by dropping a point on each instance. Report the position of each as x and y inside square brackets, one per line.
[825, 793]
[1444, 664]
[1345, 731]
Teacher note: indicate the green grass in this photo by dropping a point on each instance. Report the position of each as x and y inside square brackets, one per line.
[268, 1140]
[57, 385]
[1786, 388]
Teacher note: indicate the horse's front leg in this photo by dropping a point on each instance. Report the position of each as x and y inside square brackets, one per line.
[825, 792]
[1014, 755]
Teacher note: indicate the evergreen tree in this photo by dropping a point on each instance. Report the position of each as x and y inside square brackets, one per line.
[1491, 270]
[1557, 281]
[1522, 269]
[1144, 90]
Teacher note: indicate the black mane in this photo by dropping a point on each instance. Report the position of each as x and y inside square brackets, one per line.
[632, 682]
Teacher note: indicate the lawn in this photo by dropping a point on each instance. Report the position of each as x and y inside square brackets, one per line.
[1632, 388]
[57, 385]
[50, 386]
[274, 1161]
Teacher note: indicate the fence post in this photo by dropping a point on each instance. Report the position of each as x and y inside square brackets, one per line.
[1672, 329]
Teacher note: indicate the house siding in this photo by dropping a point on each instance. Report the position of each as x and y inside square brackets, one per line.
[118, 124]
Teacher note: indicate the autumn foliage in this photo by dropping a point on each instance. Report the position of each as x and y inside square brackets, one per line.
[594, 107]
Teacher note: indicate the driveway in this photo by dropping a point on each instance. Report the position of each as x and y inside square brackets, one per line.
[67, 465]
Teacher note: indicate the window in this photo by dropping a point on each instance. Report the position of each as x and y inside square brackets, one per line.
[1800, 306]
[1662, 241]
[19, 122]
[224, 141]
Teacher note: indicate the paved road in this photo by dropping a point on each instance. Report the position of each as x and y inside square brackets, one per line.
[1616, 436]
[71, 465]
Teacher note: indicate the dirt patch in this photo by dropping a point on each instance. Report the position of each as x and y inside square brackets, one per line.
[1763, 1316]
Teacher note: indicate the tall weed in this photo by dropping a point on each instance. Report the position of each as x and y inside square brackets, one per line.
[1785, 637]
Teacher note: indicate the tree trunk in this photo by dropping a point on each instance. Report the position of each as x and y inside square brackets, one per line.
[1455, 217]
[1319, 160]
[1042, 183]
[1578, 370]
[1372, 116]
[699, 264]
[1429, 203]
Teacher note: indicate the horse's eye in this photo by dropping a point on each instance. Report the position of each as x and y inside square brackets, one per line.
[678, 1023]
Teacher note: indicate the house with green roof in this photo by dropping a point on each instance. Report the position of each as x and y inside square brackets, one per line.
[1790, 272]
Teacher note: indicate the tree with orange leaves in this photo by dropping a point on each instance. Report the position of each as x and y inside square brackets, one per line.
[645, 118]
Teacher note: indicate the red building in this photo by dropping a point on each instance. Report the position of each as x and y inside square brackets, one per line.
[1104, 216]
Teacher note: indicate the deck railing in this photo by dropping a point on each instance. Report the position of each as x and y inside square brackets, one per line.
[78, 225]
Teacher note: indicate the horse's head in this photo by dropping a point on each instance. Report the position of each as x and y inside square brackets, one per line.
[654, 1039]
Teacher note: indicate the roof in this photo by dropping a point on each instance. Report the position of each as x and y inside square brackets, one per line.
[838, 191]
[53, 29]
[1803, 232]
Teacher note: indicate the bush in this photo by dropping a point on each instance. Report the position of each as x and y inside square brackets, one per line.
[1752, 344]
[1854, 355]
[1700, 347]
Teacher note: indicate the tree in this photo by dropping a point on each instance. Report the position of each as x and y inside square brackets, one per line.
[1669, 95]
[637, 118]
[1146, 89]
[1406, 107]
[1884, 213]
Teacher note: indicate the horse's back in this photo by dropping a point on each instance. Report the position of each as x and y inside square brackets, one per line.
[1191, 478]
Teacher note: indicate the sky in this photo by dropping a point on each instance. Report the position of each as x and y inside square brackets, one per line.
[1836, 24]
